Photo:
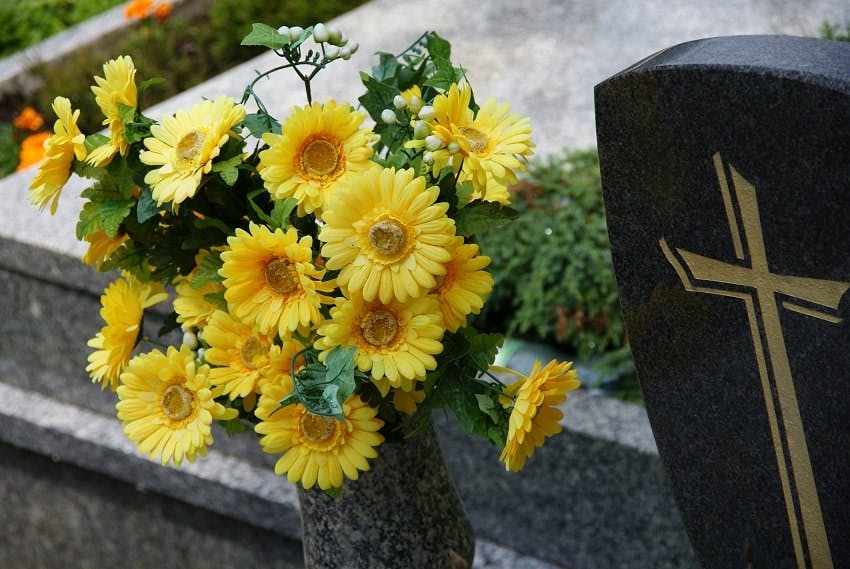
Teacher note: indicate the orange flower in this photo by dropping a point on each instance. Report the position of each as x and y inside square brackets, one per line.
[138, 9]
[162, 11]
[32, 150]
[29, 119]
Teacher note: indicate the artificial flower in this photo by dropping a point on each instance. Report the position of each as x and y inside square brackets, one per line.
[535, 415]
[319, 146]
[270, 280]
[167, 407]
[464, 287]
[395, 341]
[387, 235]
[184, 146]
[122, 307]
[117, 87]
[101, 247]
[192, 303]
[60, 150]
[239, 354]
[317, 450]
[491, 143]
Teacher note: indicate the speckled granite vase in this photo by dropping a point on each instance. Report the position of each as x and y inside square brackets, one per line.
[403, 513]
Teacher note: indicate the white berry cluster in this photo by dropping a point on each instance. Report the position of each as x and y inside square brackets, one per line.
[334, 43]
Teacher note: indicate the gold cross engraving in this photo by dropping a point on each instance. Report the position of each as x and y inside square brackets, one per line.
[760, 289]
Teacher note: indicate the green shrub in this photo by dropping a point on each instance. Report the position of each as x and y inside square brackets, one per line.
[554, 281]
[27, 22]
[832, 31]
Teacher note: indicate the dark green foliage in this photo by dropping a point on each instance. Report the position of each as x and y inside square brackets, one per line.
[27, 22]
[832, 31]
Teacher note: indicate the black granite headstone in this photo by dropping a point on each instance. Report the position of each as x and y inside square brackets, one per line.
[726, 174]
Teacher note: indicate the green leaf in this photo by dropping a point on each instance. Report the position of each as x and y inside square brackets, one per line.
[149, 83]
[106, 215]
[465, 191]
[94, 141]
[216, 299]
[266, 36]
[234, 426]
[438, 47]
[127, 113]
[479, 216]
[280, 212]
[146, 207]
[229, 176]
[322, 389]
[260, 123]
[208, 268]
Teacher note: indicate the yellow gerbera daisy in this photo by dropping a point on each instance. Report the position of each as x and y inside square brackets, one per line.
[184, 146]
[190, 304]
[319, 145]
[492, 143]
[123, 304]
[318, 449]
[117, 86]
[60, 150]
[395, 341]
[270, 280]
[101, 247]
[535, 414]
[464, 286]
[386, 235]
[241, 353]
[167, 407]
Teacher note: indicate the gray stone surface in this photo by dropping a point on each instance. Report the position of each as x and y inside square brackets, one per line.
[725, 173]
[403, 512]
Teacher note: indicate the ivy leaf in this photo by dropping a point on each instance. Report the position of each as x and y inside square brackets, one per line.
[260, 123]
[479, 216]
[438, 47]
[322, 389]
[266, 36]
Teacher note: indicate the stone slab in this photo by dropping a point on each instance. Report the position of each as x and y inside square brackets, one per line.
[725, 172]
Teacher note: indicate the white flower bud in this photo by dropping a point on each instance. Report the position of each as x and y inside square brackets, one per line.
[201, 353]
[426, 113]
[343, 39]
[453, 147]
[320, 33]
[433, 142]
[190, 340]
[415, 104]
[345, 52]
[428, 158]
[353, 46]
[334, 35]
[331, 52]
[388, 116]
[283, 30]
[421, 130]
[399, 102]
[295, 33]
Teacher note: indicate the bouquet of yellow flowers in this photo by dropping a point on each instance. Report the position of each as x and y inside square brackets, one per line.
[324, 272]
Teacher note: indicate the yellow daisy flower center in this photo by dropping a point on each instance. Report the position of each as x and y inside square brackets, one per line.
[387, 237]
[251, 348]
[317, 428]
[477, 139]
[379, 327]
[190, 145]
[319, 157]
[177, 402]
[281, 276]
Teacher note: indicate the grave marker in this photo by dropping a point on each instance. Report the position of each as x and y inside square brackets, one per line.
[726, 173]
